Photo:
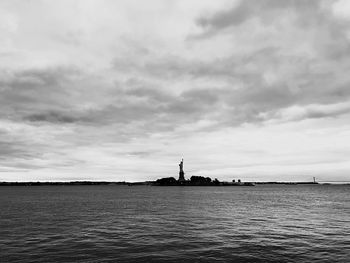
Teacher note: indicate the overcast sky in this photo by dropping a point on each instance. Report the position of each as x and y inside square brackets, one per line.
[122, 90]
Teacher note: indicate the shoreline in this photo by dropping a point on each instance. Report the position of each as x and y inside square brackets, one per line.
[153, 183]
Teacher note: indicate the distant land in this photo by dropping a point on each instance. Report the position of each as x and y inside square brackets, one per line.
[154, 183]
[170, 181]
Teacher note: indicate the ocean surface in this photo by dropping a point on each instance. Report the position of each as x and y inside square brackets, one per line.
[265, 223]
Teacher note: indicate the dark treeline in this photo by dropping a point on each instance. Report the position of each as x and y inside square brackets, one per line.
[286, 183]
[59, 183]
[197, 181]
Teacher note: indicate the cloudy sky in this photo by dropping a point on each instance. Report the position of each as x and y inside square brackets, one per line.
[122, 90]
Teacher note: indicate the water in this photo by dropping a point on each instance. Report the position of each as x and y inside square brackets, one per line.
[296, 223]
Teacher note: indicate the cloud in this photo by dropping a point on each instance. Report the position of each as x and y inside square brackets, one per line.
[247, 86]
[11, 150]
[231, 90]
[17, 151]
[142, 153]
[53, 116]
[267, 11]
[311, 111]
[34, 89]
[113, 87]
[341, 9]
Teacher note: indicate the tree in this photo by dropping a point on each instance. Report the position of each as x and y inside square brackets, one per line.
[167, 181]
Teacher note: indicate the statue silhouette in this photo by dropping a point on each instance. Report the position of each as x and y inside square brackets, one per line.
[181, 172]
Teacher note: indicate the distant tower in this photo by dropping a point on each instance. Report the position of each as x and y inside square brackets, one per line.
[181, 173]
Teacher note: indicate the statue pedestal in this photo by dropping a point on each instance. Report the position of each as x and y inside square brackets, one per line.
[181, 176]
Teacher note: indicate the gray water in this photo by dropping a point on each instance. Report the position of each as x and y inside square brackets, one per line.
[276, 223]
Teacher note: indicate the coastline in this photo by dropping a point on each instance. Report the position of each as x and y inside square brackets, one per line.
[154, 183]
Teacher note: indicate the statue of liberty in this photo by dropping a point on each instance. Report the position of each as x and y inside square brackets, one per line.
[181, 173]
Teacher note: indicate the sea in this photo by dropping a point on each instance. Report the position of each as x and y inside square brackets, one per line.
[113, 223]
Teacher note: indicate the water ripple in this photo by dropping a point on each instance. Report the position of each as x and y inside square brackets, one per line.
[175, 224]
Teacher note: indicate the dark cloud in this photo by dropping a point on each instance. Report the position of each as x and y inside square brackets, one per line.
[153, 110]
[23, 92]
[245, 91]
[265, 10]
[53, 117]
[234, 89]
[175, 67]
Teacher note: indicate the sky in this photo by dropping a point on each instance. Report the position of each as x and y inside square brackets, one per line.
[122, 90]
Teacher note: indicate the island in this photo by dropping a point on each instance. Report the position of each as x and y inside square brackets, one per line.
[196, 180]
